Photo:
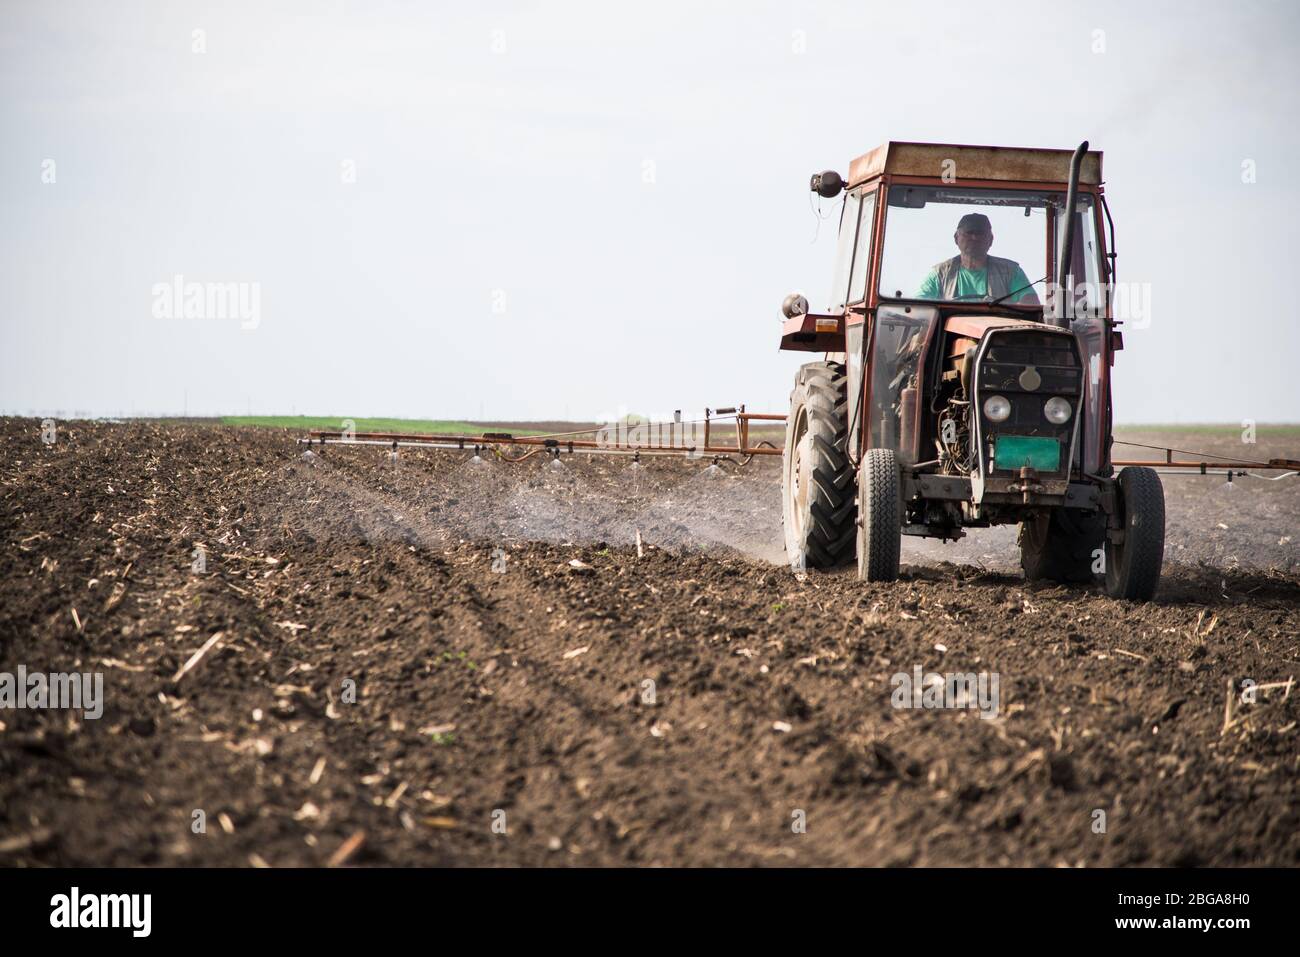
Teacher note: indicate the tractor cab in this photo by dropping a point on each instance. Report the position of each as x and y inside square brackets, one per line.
[968, 335]
[939, 242]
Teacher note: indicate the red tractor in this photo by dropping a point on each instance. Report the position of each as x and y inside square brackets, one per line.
[958, 388]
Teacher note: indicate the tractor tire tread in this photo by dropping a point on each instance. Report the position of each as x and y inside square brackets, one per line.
[880, 506]
[822, 388]
[1140, 557]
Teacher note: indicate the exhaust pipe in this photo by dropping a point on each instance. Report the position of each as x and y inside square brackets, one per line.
[1067, 241]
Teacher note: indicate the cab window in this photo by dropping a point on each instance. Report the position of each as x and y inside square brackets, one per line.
[862, 257]
[844, 252]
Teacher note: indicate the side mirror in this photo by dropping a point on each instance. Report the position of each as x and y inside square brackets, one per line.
[827, 184]
[794, 305]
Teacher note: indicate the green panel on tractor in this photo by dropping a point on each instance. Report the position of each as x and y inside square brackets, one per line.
[1016, 451]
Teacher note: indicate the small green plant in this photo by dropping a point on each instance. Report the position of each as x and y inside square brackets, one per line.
[462, 656]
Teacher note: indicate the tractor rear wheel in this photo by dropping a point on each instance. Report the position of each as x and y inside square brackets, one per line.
[880, 516]
[1062, 545]
[1133, 565]
[817, 476]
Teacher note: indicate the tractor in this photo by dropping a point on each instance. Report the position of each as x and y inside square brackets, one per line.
[957, 389]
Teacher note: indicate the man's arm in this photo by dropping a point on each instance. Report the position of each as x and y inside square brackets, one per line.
[930, 287]
[1020, 281]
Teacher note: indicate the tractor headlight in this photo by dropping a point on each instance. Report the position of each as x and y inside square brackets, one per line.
[997, 408]
[1057, 410]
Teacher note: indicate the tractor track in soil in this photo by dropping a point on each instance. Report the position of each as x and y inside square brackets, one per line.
[520, 696]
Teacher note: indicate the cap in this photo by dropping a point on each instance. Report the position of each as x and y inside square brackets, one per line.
[975, 222]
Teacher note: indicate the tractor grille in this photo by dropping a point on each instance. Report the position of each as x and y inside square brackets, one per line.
[1033, 348]
[1028, 368]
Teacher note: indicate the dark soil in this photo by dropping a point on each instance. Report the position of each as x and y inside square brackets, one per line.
[519, 697]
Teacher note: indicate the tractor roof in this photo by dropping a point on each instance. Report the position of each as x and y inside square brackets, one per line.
[1008, 163]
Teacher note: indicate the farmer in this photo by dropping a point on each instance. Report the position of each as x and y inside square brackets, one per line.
[974, 274]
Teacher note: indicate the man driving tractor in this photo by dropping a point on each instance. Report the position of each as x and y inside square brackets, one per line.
[974, 274]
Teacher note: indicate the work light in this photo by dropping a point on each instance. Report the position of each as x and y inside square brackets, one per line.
[997, 408]
[1057, 410]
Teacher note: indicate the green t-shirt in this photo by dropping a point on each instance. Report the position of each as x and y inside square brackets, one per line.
[974, 284]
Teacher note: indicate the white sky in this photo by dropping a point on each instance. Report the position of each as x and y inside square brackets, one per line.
[522, 172]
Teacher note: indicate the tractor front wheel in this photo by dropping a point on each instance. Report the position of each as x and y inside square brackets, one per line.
[880, 516]
[1133, 565]
[817, 477]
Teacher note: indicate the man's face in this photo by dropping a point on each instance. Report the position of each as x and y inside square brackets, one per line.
[974, 241]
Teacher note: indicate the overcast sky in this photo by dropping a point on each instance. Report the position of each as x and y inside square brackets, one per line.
[560, 210]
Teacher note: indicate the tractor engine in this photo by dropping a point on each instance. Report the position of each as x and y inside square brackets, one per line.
[955, 446]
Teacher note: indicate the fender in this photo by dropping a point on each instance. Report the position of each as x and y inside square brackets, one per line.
[813, 333]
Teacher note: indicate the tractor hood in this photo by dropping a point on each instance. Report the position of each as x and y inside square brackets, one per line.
[974, 327]
[964, 333]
